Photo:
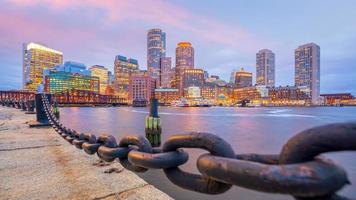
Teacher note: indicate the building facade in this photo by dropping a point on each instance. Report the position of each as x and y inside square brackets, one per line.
[307, 69]
[288, 95]
[243, 78]
[337, 98]
[102, 73]
[123, 69]
[156, 49]
[254, 94]
[184, 60]
[74, 68]
[191, 78]
[141, 88]
[265, 68]
[36, 58]
[166, 96]
[166, 72]
[61, 81]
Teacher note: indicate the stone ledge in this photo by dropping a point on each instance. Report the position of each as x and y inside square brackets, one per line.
[36, 163]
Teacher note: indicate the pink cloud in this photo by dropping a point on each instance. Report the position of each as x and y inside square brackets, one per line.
[159, 12]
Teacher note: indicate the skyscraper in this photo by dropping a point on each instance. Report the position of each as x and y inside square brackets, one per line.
[166, 72]
[265, 68]
[307, 69]
[243, 78]
[156, 49]
[123, 69]
[37, 57]
[102, 73]
[232, 76]
[184, 60]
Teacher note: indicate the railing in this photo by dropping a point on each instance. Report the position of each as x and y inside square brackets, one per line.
[298, 170]
[77, 97]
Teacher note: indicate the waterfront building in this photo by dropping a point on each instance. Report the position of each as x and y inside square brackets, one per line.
[256, 95]
[243, 78]
[224, 95]
[191, 78]
[74, 68]
[141, 87]
[61, 81]
[184, 60]
[156, 50]
[166, 96]
[265, 68]
[166, 72]
[208, 91]
[307, 70]
[36, 58]
[288, 96]
[102, 73]
[123, 69]
[338, 98]
[193, 92]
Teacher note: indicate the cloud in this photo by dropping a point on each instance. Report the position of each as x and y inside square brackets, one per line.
[158, 12]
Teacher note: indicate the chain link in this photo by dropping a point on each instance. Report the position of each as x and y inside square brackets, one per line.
[298, 170]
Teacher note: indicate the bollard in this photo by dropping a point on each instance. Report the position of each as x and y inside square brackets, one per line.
[56, 110]
[23, 105]
[153, 125]
[30, 106]
[41, 118]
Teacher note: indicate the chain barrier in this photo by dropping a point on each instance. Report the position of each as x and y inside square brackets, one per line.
[298, 170]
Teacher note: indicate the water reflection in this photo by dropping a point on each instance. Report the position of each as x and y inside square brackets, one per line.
[248, 130]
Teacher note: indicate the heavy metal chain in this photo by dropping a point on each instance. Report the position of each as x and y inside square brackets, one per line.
[298, 170]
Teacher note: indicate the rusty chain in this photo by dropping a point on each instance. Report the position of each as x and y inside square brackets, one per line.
[298, 170]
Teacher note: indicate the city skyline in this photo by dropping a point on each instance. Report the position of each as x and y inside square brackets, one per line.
[223, 56]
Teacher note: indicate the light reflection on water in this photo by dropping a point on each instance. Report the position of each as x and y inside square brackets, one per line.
[248, 130]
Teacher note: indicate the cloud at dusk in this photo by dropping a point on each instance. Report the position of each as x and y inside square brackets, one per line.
[224, 37]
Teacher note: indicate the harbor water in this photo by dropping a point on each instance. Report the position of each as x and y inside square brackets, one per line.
[248, 130]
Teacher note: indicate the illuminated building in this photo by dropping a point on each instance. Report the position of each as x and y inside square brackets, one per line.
[141, 87]
[69, 67]
[60, 81]
[265, 68]
[338, 98]
[166, 72]
[288, 95]
[307, 69]
[184, 60]
[156, 49]
[190, 78]
[123, 69]
[74, 68]
[208, 91]
[243, 78]
[166, 96]
[254, 94]
[193, 92]
[102, 73]
[36, 58]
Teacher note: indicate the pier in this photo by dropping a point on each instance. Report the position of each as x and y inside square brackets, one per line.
[36, 163]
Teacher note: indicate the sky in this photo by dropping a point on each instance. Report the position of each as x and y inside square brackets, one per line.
[226, 34]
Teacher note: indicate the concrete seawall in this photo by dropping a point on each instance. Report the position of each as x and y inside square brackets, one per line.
[37, 163]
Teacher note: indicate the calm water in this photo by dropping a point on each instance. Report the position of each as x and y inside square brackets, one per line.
[248, 130]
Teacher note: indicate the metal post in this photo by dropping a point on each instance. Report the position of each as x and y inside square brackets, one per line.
[41, 118]
[153, 125]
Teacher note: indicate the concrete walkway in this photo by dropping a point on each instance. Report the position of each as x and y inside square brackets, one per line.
[37, 163]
